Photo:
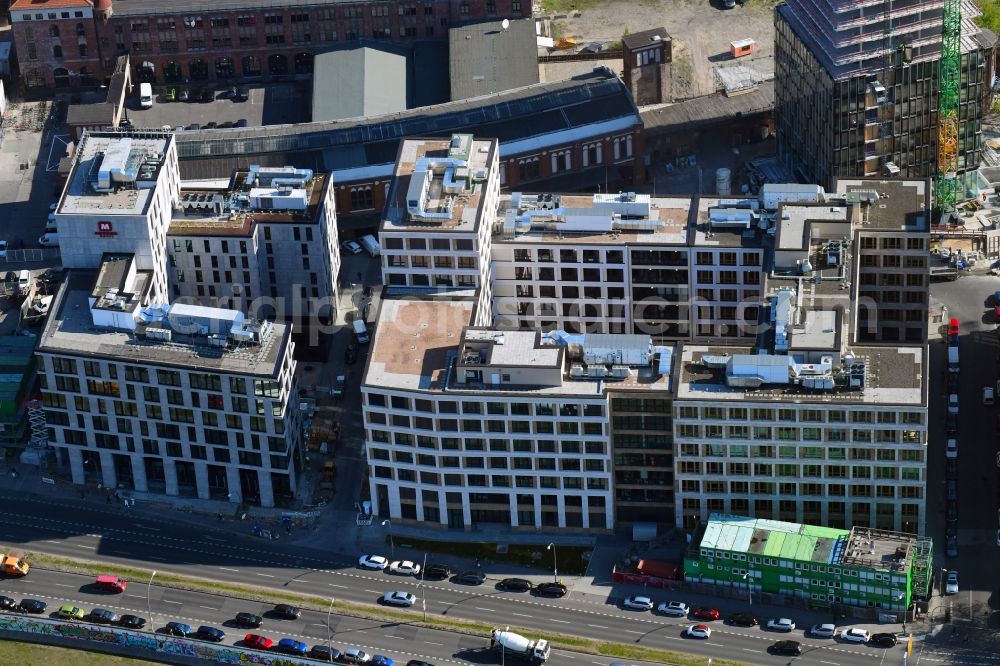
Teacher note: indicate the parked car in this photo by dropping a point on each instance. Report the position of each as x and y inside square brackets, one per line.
[249, 620]
[210, 634]
[206, 95]
[382, 660]
[351, 246]
[71, 612]
[706, 614]
[242, 94]
[780, 624]
[951, 424]
[744, 619]
[374, 562]
[356, 656]
[553, 589]
[291, 646]
[350, 356]
[211, 125]
[883, 640]
[103, 616]
[952, 327]
[170, 94]
[673, 609]
[325, 653]
[515, 585]
[822, 631]
[951, 583]
[404, 568]
[33, 606]
[698, 631]
[470, 578]
[855, 635]
[184, 95]
[132, 621]
[6, 603]
[177, 629]
[793, 648]
[3, 249]
[49, 240]
[951, 448]
[257, 642]
[638, 603]
[287, 612]
[404, 599]
[953, 403]
[433, 571]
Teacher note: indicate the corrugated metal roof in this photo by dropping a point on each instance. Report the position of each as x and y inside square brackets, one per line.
[708, 109]
[485, 58]
[777, 538]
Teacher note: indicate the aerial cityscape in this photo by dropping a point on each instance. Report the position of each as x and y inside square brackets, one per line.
[442, 332]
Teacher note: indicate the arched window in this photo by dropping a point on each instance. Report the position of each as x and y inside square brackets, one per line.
[224, 68]
[172, 72]
[199, 69]
[79, 30]
[83, 50]
[303, 63]
[251, 66]
[53, 31]
[61, 77]
[56, 51]
[277, 64]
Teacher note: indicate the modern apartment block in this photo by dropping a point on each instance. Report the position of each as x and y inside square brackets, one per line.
[826, 566]
[265, 243]
[71, 43]
[177, 399]
[436, 232]
[857, 86]
[468, 425]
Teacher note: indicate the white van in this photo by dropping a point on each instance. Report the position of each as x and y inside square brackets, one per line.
[360, 331]
[371, 245]
[145, 95]
[24, 281]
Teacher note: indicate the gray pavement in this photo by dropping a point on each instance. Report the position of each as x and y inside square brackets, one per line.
[275, 104]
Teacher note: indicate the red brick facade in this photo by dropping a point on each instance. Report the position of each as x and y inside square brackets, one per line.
[68, 44]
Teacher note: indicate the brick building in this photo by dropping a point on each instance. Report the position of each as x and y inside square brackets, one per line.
[646, 59]
[74, 43]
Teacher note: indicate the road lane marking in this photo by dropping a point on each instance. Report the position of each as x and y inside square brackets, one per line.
[168, 601]
[208, 608]
[520, 614]
[228, 569]
[212, 538]
[373, 591]
[832, 663]
[432, 643]
[343, 587]
[485, 610]
[265, 575]
[62, 584]
[630, 631]
[80, 545]
[561, 621]
[750, 650]
[597, 626]
[53, 541]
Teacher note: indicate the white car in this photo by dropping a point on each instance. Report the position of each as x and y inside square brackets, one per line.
[988, 396]
[854, 635]
[781, 624]
[673, 609]
[951, 450]
[48, 240]
[351, 246]
[374, 562]
[698, 631]
[953, 403]
[951, 583]
[823, 631]
[404, 599]
[638, 603]
[404, 568]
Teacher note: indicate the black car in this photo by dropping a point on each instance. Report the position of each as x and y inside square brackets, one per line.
[793, 648]
[242, 94]
[551, 589]
[6, 603]
[211, 125]
[350, 356]
[193, 126]
[132, 621]
[228, 93]
[744, 620]
[470, 578]
[435, 571]
[325, 653]
[52, 275]
[883, 640]
[515, 585]
[287, 612]
[206, 95]
[249, 620]
[229, 124]
[417, 662]
[103, 616]
[210, 634]
[951, 424]
[184, 95]
[32, 606]
[11, 277]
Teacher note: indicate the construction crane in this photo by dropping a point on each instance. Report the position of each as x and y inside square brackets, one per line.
[946, 184]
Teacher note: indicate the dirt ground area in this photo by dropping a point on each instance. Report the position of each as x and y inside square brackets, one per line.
[701, 31]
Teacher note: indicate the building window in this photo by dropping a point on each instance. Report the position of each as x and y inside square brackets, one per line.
[53, 31]
[57, 51]
[361, 198]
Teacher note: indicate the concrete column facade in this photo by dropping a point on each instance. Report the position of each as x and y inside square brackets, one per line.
[76, 465]
[466, 510]
[266, 490]
[108, 476]
[233, 481]
[201, 479]
[561, 509]
[512, 498]
[139, 474]
[170, 477]
[538, 510]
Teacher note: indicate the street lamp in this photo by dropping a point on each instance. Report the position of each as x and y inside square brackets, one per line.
[392, 546]
[329, 631]
[555, 565]
[749, 581]
[149, 610]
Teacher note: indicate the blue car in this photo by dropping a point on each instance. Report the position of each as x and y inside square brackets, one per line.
[382, 660]
[292, 646]
[178, 629]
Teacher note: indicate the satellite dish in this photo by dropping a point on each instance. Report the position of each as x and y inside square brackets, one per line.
[505, 24]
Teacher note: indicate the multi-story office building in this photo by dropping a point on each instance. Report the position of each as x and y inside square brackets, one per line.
[857, 87]
[436, 233]
[826, 566]
[468, 425]
[182, 399]
[266, 243]
[70, 43]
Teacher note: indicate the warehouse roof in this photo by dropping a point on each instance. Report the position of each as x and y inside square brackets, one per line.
[489, 58]
[709, 109]
[358, 82]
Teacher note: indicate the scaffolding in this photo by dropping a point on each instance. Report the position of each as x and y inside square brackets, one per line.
[946, 184]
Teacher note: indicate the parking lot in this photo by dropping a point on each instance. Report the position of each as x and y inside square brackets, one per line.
[270, 105]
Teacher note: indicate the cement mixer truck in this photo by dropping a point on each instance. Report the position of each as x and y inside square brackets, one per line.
[506, 642]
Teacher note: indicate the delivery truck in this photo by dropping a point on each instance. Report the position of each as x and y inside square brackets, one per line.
[507, 643]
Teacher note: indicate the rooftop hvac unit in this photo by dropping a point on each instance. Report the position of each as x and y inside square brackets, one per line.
[159, 334]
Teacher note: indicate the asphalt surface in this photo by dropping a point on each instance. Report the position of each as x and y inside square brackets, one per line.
[101, 536]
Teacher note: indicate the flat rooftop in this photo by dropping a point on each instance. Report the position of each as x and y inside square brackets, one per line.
[903, 205]
[794, 218]
[773, 538]
[70, 330]
[673, 212]
[895, 376]
[707, 234]
[464, 207]
[80, 198]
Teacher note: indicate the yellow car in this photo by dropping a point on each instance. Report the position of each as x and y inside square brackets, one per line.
[70, 612]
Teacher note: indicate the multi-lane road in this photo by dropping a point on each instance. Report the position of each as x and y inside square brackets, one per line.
[93, 534]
